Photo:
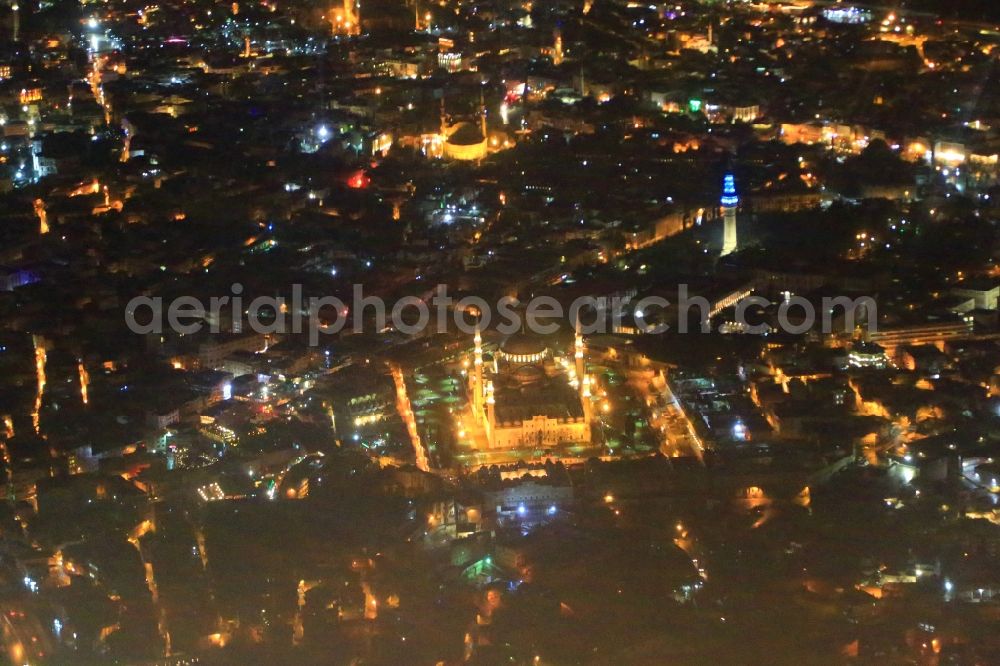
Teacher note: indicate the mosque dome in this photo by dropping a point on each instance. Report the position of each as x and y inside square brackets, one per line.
[523, 348]
[465, 134]
[530, 373]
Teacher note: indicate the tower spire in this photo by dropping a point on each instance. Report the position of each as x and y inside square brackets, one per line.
[491, 418]
[730, 200]
[578, 354]
[444, 124]
[477, 393]
[482, 113]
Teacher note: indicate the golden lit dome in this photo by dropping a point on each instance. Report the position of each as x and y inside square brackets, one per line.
[465, 134]
[523, 348]
[465, 142]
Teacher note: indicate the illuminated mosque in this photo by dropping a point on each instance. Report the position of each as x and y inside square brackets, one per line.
[526, 396]
[465, 140]
[346, 19]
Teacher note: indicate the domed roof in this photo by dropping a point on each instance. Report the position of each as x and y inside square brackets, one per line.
[522, 344]
[529, 374]
[465, 134]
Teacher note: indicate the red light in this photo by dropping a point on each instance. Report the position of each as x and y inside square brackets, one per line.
[358, 180]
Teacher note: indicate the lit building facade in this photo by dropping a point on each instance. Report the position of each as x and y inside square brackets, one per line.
[526, 398]
[466, 141]
[346, 19]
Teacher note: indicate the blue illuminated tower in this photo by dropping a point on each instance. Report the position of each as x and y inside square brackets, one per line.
[730, 200]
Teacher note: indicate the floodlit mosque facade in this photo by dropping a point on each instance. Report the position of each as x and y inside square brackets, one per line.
[526, 397]
[464, 141]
